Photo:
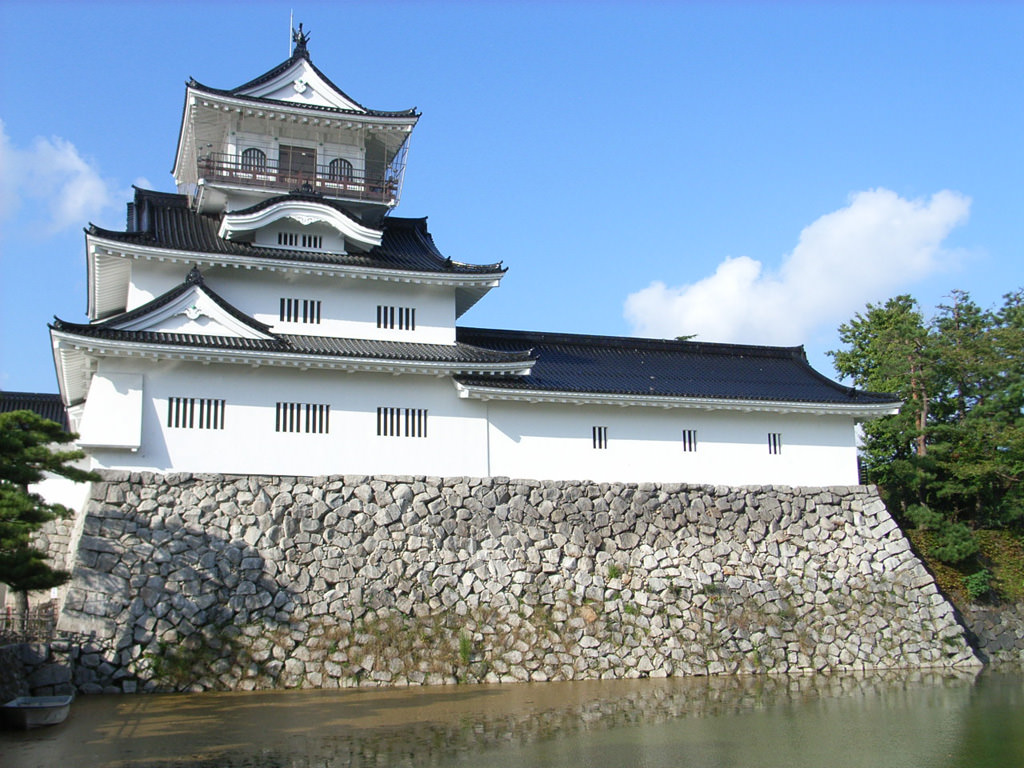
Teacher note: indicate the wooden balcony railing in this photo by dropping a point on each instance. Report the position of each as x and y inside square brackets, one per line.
[324, 180]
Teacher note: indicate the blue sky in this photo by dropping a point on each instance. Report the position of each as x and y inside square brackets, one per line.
[749, 172]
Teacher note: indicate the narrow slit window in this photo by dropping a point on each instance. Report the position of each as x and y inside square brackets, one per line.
[689, 440]
[774, 443]
[295, 240]
[396, 318]
[313, 418]
[300, 311]
[195, 413]
[401, 422]
[600, 437]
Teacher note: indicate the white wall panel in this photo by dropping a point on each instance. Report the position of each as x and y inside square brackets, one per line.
[468, 437]
[348, 306]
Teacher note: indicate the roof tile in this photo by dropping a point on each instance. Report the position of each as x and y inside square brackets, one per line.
[655, 367]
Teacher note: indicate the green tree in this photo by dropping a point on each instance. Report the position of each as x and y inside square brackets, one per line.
[887, 350]
[953, 458]
[28, 454]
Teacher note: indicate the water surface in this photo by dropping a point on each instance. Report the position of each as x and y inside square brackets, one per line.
[912, 719]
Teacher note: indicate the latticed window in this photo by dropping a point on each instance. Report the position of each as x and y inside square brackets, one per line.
[402, 318]
[774, 443]
[600, 437]
[300, 311]
[339, 169]
[303, 417]
[254, 159]
[402, 422]
[195, 413]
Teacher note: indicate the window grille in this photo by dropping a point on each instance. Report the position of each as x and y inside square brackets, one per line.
[774, 443]
[295, 240]
[339, 169]
[195, 413]
[689, 440]
[600, 437]
[254, 159]
[303, 417]
[402, 422]
[402, 318]
[300, 311]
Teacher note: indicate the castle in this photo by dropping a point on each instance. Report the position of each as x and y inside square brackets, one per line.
[273, 317]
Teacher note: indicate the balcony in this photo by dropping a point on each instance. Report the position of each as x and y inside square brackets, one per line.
[328, 180]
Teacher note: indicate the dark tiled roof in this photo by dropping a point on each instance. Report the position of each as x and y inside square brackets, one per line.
[271, 74]
[325, 346]
[398, 350]
[651, 367]
[165, 220]
[46, 405]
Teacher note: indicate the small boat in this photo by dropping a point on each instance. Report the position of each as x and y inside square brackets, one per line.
[34, 711]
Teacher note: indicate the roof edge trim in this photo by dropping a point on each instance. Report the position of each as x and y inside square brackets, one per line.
[861, 411]
[137, 251]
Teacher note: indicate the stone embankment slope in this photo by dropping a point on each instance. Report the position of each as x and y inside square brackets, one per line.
[209, 581]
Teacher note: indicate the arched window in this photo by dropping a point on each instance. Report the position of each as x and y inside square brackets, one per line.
[339, 169]
[254, 159]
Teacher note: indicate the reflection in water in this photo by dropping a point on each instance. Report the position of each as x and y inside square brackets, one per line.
[917, 719]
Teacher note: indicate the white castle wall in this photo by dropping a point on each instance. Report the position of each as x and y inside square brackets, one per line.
[348, 309]
[464, 437]
[645, 444]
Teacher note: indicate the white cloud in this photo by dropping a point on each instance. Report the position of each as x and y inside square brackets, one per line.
[63, 188]
[872, 248]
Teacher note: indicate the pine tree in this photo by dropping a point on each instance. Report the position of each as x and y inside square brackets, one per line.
[28, 454]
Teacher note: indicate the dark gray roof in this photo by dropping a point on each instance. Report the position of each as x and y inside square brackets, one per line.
[49, 406]
[654, 367]
[165, 220]
[300, 53]
[326, 346]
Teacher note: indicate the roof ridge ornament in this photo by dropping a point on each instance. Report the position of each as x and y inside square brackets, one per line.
[300, 39]
[194, 277]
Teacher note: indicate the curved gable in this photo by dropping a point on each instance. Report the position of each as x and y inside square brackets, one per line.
[237, 225]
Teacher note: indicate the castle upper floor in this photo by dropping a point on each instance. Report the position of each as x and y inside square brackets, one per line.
[290, 129]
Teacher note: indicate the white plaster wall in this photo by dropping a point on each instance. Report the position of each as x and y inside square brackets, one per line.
[549, 441]
[348, 309]
[466, 437]
[59, 490]
[249, 443]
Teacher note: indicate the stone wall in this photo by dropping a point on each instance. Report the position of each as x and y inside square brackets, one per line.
[35, 669]
[206, 581]
[998, 631]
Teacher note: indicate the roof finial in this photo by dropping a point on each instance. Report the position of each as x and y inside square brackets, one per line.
[300, 39]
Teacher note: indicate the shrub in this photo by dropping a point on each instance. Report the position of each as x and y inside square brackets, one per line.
[950, 542]
[978, 584]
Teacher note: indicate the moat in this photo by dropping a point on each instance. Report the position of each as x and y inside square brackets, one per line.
[914, 718]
